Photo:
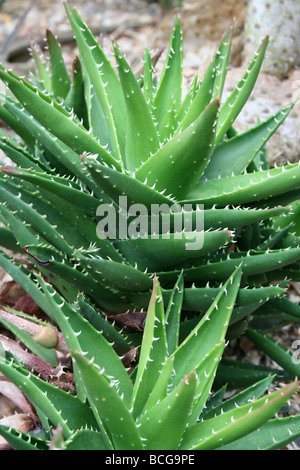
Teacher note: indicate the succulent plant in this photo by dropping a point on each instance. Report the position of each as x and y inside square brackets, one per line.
[164, 403]
[91, 143]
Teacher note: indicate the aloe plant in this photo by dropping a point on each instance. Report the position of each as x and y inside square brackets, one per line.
[164, 403]
[90, 141]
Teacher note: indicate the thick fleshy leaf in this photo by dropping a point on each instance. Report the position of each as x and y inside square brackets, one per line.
[85, 439]
[239, 374]
[103, 80]
[81, 336]
[153, 351]
[63, 154]
[169, 89]
[173, 313]
[115, 184]
[19, 155]
[236, 101]
[254, 262]
[108, 406]
[285, 358]
[222, 57]
[114, 274]
[60, 78]
[162, 426]
[169, 250]
[251, 393]
[62, 408]
[206, 372]
[274, 434]
[197, 299]
[233, 156]
[141, 135]
[212, 327]
[61, 187]
[75, 99]
[22, 441]
[55, 118]
[200, 101]
[187, 154]
[215, 219]
[246, 188]
[46, 354]
[234, 424]
[41, 66]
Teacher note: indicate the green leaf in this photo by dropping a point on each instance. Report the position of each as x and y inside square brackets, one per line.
[189, 97]
[61, 187]
[225, 428]
[19, 155]
[118, 339]
[285, 358]
[169, 89]
[206, 372]
[22, 441]
[173, 313]
[141, 135]
[75, 98]
[60, 407]
[41, 66]
[35, 220]
[81, 336]
[251, 393]
[85, 439]
[60, 78]
[212, 327]
[236, 101]
[114, 274]
[199, 102]
[153, 351]
[103, 79]
[55, 118]
[246, 188]
[238, 374]
[15, 125]
[147, 78]
[197, 299]
[186, 154]
[115, 184]
[232, 156]
[169, 250]
[254, 262]
[221, 60]
[224, 218]
[282, 309]
[275, 434]
[162, 426]
[24, 278]
[63, 154]
[8, 240]
[108, 406]
[64, 275]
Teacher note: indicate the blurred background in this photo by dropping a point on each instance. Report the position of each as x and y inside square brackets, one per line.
[136, 24]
